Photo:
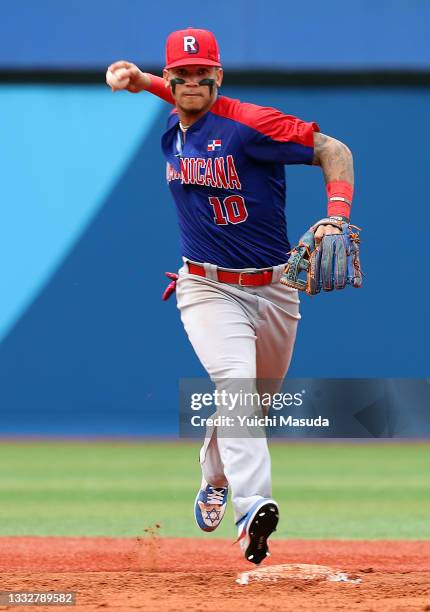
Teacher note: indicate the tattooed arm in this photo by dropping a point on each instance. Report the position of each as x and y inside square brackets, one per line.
[334, 157]
[336, 162]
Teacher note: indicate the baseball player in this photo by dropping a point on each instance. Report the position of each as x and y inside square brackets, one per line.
[225, 169]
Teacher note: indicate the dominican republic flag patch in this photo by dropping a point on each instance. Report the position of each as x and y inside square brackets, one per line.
[214, 145]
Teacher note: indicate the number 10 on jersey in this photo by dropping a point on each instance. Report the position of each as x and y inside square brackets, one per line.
[231, 209]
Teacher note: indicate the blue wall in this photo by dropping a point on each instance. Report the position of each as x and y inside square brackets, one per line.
[88, 229]
[282, 34]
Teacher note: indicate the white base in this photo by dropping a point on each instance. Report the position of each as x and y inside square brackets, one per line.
[294, 571]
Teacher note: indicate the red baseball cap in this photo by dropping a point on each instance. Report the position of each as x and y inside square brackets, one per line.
[192, 46]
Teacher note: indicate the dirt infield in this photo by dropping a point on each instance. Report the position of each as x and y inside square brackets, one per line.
[165, 574]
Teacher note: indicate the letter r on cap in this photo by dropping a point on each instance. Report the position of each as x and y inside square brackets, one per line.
[190, 44]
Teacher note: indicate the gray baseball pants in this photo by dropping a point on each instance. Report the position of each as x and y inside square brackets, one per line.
[243, 337]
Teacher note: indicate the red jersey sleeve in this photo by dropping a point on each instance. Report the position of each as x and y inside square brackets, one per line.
[158, 88]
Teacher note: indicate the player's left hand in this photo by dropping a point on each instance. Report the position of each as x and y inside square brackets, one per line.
[325, 230]
[329, 263]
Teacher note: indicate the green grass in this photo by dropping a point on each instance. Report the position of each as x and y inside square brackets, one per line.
[117, 489]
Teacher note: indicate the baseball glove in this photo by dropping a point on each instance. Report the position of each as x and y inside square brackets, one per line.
[331, 264]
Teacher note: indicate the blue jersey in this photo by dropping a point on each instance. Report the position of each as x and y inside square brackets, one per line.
[228, 182]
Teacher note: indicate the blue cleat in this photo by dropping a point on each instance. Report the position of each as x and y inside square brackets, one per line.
[255, 528]
[209, 506]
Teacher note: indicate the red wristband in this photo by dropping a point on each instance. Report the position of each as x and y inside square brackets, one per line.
[343, 191]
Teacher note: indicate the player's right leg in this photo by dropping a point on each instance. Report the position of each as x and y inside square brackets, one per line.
[219, 322]
[211, 499]
[210, 506]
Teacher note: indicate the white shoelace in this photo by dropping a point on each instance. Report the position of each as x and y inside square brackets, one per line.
[215, 497]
